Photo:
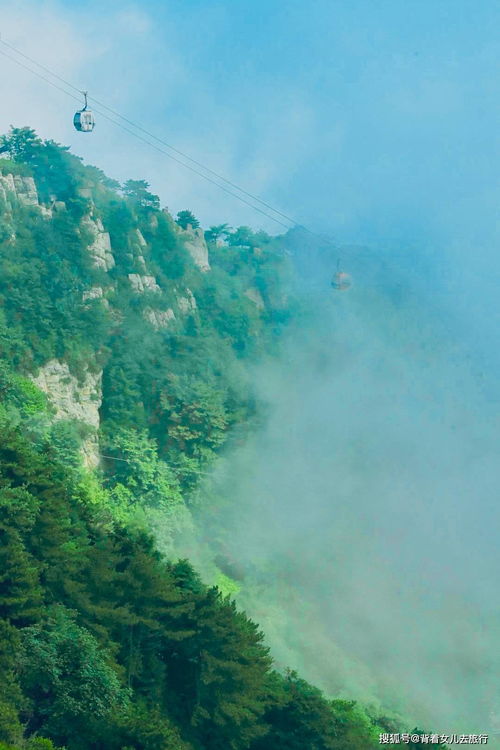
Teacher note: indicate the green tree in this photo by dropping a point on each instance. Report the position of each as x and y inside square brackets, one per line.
[299, 716]
[138, 192]
[22, 145]
[217, 231]
[220, 673]
[12, 699]
[145, 727]
[184, 218]
[67, 678]
[242, 236]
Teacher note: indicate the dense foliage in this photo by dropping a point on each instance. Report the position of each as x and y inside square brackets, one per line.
[104, 642]
[107, 645]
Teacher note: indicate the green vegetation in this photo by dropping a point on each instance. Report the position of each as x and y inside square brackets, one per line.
[187, 218]
[106, 642]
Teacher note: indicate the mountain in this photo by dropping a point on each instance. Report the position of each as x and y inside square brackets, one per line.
[127, 345]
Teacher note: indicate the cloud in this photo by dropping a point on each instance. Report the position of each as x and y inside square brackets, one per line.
[370, 496]
[48, 37]
[134, 20]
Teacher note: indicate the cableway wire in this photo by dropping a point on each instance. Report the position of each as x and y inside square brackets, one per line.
[152, 135]
[157, 148]
[145, 140]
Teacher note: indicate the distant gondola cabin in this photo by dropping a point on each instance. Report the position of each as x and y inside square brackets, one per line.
[341, 281]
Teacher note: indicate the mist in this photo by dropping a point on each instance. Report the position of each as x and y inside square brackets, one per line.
[364, 512]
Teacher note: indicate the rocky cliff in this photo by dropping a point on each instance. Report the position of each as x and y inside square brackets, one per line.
[74, 399]
[195, 244]
[79, 399]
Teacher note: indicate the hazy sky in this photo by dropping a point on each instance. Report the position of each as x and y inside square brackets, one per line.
[373, 121]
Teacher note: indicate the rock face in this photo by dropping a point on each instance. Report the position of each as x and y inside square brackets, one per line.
[255, 296]
[26, 190]
[187, 304]
[74, 400]
[140, 238]
[14, 188]
[194, 242]
[141, 284]
[22, 189]
[100, 247]
[159, 318]
[95, 292]
[137, 245]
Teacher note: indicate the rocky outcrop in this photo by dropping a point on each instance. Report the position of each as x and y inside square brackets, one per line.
[95, 292]
[74, 400]
[159, 318]
[255, 296]
[195, 244]
[100, 246]
[139, 238]
[22, 189]
[141, 284]
[187, 304]
[137, 245]
[14, 188]
[26, 190]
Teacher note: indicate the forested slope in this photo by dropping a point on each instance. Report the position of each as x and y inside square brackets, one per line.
[127, 341]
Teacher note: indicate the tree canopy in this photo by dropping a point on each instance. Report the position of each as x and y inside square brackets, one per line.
[187, 218]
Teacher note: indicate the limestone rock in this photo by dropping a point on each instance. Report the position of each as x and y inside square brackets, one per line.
[26, 190]
[195, 244]
[142, 284]
[187, 304]
[7, 185]
[21, 189]
[100, 247]
[90, 452]
[140, 238]
[255, 296]
[74, 400]
[71, 399]
[46, 211]
[95, 292]
[159, 318]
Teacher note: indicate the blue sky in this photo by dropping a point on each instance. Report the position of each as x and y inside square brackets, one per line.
[372, 121]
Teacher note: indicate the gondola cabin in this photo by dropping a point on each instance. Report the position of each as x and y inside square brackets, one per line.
[84, 119]
[341, 281]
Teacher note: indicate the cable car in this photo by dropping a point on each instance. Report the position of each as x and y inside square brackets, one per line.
[84, 118]
[341, 280]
